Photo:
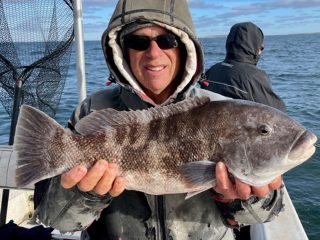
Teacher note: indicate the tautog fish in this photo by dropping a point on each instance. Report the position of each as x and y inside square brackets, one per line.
[168, 149]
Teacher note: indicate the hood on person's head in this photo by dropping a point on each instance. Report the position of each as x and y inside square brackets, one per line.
[131, 15]
[130, 28]
[244, 42]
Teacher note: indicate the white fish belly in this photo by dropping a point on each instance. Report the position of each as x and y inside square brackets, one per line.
[158, 184]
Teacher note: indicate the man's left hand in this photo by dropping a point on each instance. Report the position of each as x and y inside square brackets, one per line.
[236, 189]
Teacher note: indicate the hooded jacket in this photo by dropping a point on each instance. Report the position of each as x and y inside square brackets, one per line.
[237, 76]
[171, 15]
[136, 215]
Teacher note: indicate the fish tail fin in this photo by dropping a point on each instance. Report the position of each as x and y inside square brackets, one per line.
[199, 173]
[34, 132]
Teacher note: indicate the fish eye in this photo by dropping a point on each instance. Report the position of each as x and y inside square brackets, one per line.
[264, 130]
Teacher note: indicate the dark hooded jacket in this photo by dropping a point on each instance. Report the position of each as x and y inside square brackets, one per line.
[136, 215]
[237, 76]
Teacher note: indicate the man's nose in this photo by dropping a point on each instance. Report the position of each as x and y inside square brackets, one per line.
[154, 50]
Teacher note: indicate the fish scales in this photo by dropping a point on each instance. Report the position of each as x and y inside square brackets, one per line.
[159, 143]
[170, 149]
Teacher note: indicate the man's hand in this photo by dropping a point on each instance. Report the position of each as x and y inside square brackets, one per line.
[101, 178]
[237, 189]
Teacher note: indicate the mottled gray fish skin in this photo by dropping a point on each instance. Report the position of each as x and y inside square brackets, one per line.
[169, 149]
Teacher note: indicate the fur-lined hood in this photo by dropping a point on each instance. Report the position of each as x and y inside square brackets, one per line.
[173, 15]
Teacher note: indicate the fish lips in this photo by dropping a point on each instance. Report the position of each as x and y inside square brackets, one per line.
[303, 148]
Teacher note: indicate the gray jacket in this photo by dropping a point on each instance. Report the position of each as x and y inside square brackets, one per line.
[135, 215]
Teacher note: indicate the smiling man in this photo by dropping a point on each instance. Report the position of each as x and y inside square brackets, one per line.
[155, 58]
[156, 65]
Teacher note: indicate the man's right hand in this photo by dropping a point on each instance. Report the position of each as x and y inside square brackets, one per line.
[102, 178]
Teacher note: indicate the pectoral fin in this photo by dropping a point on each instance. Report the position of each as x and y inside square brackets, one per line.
[199, 173]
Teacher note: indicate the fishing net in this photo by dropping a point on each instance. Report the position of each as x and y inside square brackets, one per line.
[35, 47]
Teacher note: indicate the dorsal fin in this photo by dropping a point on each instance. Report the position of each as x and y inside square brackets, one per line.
[107, 119]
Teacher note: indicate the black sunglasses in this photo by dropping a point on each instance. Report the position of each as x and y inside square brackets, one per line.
[142, 43]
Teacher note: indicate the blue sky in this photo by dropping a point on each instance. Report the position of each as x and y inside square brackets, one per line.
[214, 18]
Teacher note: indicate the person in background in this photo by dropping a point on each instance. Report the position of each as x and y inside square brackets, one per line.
[238, 76]
[154, 58]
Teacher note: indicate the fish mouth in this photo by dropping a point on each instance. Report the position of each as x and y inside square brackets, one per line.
[304, 147]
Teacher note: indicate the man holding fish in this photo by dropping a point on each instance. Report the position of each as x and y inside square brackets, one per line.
[155, 58]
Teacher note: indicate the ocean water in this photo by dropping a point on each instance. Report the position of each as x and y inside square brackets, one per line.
[293, 64]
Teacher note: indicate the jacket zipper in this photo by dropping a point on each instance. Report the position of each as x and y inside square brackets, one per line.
[161, 217]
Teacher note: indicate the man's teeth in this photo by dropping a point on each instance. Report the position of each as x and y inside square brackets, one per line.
[155, 68]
